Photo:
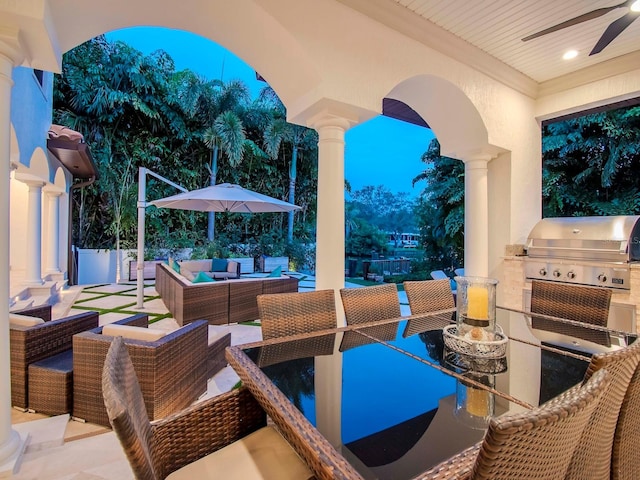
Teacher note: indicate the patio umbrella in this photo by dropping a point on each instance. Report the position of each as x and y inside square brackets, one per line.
[225, 197]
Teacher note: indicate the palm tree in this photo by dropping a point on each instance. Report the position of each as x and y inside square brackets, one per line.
[226, 133]
[278, 131]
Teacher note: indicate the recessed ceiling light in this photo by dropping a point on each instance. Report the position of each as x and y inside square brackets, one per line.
[569, 54]
[635, 6]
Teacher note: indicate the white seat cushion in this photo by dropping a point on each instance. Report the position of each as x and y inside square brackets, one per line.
[24, 320]
[132, 332]
[264, 454]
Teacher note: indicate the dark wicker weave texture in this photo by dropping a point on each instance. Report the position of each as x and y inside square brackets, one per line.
[535, 444]
[40, 311]
[154, 451]
[216, 360]
[429, 296]
[625, 464]
[172, 371]
[51, 384]
[592, 458]
[368, 335]
[32, 344]
[287, 314]
[304, 348]
[573, 302]
[369, 304]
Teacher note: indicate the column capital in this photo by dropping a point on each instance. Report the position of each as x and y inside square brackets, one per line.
[53, 192]
[484, 154]
[11, 44]
[326, 119]
[31, 180]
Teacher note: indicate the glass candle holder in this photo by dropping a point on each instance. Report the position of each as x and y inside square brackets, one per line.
[474, 405]
[476, 308]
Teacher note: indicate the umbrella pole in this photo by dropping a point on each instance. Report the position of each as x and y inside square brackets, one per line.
[142, 193]
[142, 205]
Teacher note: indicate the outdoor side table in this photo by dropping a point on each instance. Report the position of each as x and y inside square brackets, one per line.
[51, 384]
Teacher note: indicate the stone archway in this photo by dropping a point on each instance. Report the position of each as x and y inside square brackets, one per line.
[237, 26]
[462, 134]
[449, 112]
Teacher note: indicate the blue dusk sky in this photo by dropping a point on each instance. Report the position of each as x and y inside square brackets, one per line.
[381, 151]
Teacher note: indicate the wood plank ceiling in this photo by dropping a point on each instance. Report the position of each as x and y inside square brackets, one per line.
[498, 26]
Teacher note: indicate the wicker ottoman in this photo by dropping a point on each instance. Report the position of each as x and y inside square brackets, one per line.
[51, 384]
[216, 359]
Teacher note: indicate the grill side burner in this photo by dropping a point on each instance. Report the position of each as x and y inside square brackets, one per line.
[584, 250]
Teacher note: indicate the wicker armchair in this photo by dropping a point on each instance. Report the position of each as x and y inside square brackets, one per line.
[285, 314]
[32, 344]
[172, 370]
[224, 437]
[428, 296]
[370, 304]
[592, 458]
[535, 444]
[625, 463]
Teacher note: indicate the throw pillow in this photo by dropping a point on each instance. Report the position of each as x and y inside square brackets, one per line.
[202, 277]
[176, 266]
[219, 265]
[276, 272]
[186, 273]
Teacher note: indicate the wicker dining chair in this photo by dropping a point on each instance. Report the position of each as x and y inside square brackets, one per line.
[592, 458]
[284, 314]
[625, 462]
[223, 437]
[370, 304]
[426, 296]
[534, 444]
[574, 302]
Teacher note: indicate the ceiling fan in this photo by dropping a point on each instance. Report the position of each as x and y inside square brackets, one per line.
[612, 31]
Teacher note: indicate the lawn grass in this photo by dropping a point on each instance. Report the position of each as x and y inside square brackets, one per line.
[369, 283]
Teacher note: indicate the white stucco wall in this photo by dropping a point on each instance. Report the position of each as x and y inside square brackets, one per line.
[32, 112]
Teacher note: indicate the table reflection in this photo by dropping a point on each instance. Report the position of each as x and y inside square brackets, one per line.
[394, 401]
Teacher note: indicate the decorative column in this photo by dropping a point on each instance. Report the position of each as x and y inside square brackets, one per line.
[11, 445]
[34, 233]
[330, 214]
[476, 215]
[53, 265]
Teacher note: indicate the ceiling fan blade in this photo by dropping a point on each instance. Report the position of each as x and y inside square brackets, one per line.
[613, 30]
[575, 21]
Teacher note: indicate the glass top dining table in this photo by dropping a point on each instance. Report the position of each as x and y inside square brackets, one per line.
[389, 400]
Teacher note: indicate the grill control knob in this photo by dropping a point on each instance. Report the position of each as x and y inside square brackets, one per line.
[543, 272]
[571, 275]
[602, 278]
[556, 273]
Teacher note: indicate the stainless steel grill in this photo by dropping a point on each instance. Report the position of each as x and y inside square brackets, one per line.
[584, 250]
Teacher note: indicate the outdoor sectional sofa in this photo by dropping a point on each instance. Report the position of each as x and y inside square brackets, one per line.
[220, 302]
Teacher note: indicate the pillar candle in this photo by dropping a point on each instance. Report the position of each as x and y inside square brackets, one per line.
[477, 402]
[477, 302]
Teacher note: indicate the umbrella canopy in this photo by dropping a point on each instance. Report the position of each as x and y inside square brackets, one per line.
[225, 197]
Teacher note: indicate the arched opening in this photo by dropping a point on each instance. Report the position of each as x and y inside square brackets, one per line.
[447, 110]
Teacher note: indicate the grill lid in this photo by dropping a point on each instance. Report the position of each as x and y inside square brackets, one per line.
[609, 239]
